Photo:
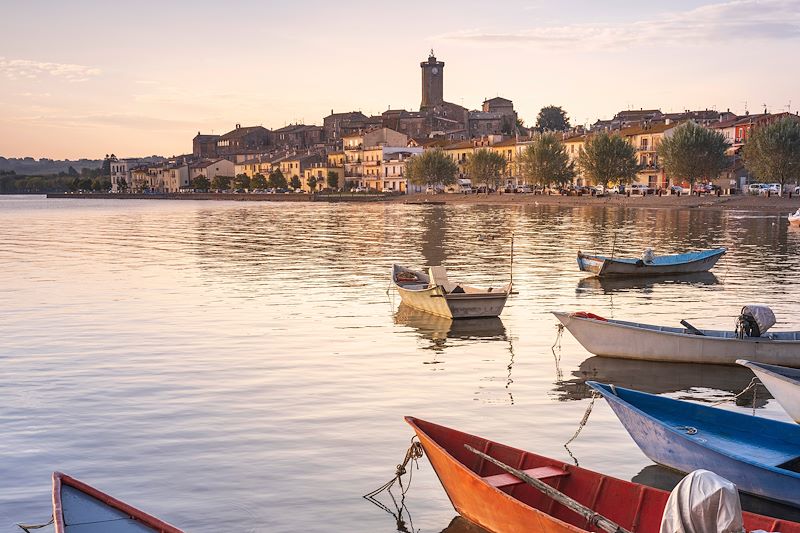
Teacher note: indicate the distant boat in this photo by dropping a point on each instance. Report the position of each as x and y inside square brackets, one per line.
[761, 456]
[632, 340]
[433, 293]
[78, 507]
[794, 218]
[783, 383]
[657, 265]
[502, 503]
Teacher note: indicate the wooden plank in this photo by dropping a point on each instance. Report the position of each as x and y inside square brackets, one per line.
[541, 472]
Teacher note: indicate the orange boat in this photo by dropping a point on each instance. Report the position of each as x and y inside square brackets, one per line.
[500, 502]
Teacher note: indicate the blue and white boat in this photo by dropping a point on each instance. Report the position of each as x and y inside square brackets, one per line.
[649, 264]
[761, 456]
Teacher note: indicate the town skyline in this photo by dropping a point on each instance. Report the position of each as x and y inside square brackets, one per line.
[140, 94]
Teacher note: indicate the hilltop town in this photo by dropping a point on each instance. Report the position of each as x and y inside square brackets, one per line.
[353, 151]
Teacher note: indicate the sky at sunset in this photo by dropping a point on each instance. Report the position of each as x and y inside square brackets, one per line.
[82, 79]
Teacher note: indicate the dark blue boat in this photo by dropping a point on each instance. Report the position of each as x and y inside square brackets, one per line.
[761, 456]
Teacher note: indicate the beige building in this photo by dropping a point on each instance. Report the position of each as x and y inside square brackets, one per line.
[320, 171]
[212, 169]
[645, 140]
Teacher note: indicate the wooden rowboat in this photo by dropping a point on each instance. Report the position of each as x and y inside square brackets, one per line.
[80, 508]
[500, 502]
[690, 262]
[761, 456]
[632, 340]
[783, 383]
[433, 293]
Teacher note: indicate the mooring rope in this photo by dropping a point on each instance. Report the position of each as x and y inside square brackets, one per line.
[413, 453]
[28, 527]
[753, 385]
[581, 424]
[557, 356]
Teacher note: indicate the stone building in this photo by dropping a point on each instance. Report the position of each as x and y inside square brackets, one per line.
[337, 125]
[298, 136]
[204, 145]
[243, 139]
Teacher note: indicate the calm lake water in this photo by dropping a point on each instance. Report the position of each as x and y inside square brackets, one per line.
[230, 366]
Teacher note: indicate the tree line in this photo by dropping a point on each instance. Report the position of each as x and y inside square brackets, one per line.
[691, 154]
[87, 180]
[274, 180]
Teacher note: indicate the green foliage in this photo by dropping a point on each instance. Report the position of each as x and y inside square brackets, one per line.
[545, 161]
[552, 118]
[431, 167]
[333, 179]
[295, 182]
[693, 152]
[312, 182]
[241, 181]
[258, 181]
[122, 184]
[71, 171]
[221, 183]
[772, 152]
[201, 183]
[607, 159]
[485, 167]
[86, 184]
[276, 180]
[10, 183]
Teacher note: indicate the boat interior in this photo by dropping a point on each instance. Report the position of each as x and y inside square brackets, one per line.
[759, 440]
[601, 493]
[662, 260]
[771, 335]
[413, 280]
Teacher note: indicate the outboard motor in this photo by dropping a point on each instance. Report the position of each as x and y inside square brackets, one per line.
[754, 321]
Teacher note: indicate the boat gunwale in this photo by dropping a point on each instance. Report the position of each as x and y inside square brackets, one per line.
[60, 479]
[640, 326]
[699, 255]
[601, 388]
[436, 289]
[760, 366]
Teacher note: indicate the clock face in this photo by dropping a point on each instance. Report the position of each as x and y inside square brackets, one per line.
[434, 71]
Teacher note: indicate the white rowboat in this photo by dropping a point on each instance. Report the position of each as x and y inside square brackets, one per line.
[632, 340]
[794, 218]
[783, 383]
[433, 293]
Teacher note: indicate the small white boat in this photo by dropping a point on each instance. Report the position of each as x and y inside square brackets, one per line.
[794, 218]
[433, 293]
[783, 383]
[81, 508]
[632, 340]
[649, 264]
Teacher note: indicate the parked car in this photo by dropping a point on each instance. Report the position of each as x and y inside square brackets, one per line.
[598, 190]
[677, 189]
[523, 189]
[774, 188]
[360, 189]
[703, 188]
[433, 190]
[796, 190]
[388, 190]
[638, 189]
[755, 188]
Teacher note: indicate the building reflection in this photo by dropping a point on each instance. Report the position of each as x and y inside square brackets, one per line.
[707, 381]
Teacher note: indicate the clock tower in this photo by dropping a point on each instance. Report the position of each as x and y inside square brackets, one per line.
[432, 82]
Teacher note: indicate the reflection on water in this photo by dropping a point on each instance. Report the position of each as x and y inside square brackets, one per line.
[144, 342]
[643, 283]
[708, 383]
[666, 479]
[461, 525]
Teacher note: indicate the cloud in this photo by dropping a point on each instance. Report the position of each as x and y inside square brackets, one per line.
[26, 69]
[121, 120]
[733, 21]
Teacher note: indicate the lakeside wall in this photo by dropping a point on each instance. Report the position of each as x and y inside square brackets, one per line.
[228, 197]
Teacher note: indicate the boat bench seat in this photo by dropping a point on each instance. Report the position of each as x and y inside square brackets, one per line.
[541, 472]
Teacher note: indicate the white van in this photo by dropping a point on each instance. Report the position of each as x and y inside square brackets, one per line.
[464, 186]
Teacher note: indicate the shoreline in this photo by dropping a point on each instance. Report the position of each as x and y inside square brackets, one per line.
[763, 204]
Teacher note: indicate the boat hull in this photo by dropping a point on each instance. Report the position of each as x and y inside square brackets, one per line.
[611, 267]
[521, 508]
[624, 340]
[794, 220]
[672, 444]
[782, 383]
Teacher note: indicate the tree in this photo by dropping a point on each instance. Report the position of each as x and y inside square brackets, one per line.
[693, 152]
[607, 158]
[85, 184]
[122, 184]
[258, 181]
[312, 182]
[552, 118]
[333, 179]
[222, 183]
[486, 166]
[72, 172]
[545, 161]
[432, 167]
[772, 152]
[241, 181]
[295, 182]
[276, 180]
[201, 183]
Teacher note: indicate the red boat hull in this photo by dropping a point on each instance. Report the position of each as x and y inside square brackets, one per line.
[519, 507]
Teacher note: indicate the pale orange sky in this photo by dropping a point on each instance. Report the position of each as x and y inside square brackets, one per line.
[86, 78]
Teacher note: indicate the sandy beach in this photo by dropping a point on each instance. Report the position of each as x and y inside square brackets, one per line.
[772, 205]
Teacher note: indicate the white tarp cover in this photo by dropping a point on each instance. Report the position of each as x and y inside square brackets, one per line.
[762, 314]
[703, 502]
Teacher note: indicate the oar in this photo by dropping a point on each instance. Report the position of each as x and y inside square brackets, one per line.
[593, 518]
[691, 328]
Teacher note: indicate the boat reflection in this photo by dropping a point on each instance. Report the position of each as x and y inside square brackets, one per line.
[705, 381]
[438, 330]
[666, 479]
[459, 524]
[647, 283]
